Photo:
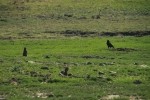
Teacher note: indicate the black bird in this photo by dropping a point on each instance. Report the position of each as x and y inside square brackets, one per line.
[109, 45]
[25, 52]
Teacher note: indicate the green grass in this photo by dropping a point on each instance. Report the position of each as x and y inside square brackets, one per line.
[37, 24]
[71, 51]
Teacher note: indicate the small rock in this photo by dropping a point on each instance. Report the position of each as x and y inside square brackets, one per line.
[110, 97]
[112, 73]
[31, 62]
[144, 66]
[69, 96]
[44, 95]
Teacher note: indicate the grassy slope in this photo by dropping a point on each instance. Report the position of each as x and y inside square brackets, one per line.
[71, 51]
[39, 18]
[34, 18]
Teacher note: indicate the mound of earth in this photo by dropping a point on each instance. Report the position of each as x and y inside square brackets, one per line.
[125, 49]
[86, 33]
[130, 33]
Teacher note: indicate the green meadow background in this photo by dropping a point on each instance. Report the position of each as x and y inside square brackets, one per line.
[96, 72]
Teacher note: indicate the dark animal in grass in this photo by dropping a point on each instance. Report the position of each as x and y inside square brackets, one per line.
[65, 72]
[109, 45]
[25, 52]
[14, 81]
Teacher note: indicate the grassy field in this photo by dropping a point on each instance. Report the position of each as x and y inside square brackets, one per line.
[95, 72]
[44, 18]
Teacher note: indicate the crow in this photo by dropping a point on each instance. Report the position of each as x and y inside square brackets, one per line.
[25, 52]
[109, 45]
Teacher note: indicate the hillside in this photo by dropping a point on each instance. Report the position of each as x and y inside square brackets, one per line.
[46, 18]
[74, 49]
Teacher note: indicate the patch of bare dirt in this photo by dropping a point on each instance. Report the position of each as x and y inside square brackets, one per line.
[3, 97]
[125, 49]
[92, 56]
[69, 33]
[144, 66]
[120, 97]
[130, 33]
[44, 95]
[88, 33]
[110, 97]
[77, 33]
